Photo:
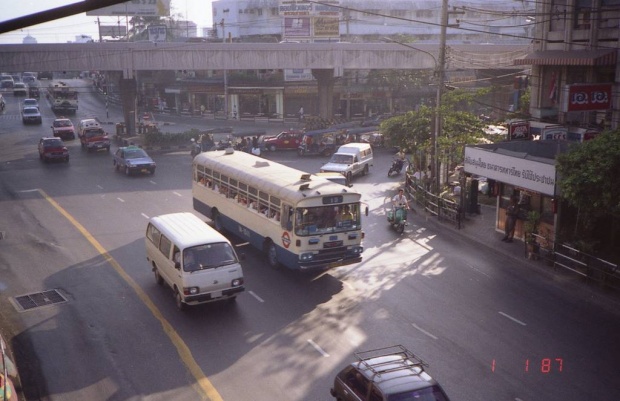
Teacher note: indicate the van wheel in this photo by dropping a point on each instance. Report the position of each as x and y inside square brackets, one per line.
[217, 221]
[158, 278]
[365, 172]
[272, 256]
[179, 301]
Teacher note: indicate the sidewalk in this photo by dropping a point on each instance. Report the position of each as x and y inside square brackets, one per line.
[480, 230]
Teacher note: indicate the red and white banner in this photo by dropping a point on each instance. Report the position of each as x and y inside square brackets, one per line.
[586, 97]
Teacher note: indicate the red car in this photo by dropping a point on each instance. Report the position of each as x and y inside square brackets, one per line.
[53, 149]
[284, 140]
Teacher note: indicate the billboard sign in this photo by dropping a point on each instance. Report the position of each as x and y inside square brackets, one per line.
[135, 8]
[296, 27]
[157, 33]
[519, 131]
[327, 27]
[114, 31]
[554, 133]
[586, 97]
[292, 75]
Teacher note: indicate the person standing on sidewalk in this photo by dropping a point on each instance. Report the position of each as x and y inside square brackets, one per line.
[301, 113]
[512, 211]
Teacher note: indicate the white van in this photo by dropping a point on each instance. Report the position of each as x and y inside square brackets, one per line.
[197, 262]
[349, 160]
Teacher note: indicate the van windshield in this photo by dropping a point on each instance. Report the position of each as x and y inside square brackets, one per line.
[208, 256]
[339, 158]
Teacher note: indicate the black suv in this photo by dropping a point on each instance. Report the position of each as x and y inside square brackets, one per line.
[387, 374]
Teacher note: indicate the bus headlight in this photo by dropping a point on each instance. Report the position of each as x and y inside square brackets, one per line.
[304, 257]
[358, 250]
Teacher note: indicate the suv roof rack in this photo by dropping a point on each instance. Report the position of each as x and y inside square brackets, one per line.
[386, 367]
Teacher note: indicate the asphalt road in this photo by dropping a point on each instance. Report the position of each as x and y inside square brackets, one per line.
[489, 328]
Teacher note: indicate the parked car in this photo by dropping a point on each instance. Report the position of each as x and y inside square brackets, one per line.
[63, 128]
[385, 374]
[31, 115]
[30, 102]
[284, 140]
[132, 159]
[52, 149]
[20, 89]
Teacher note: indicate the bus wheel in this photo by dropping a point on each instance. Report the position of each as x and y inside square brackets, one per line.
[272, 256]
[217, 221]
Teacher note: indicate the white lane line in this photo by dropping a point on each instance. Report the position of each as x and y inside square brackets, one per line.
[176, 193]
[424, 331]
[512, 318]
[256, 296]
[121, 200]
[153, 182]
[145, 216]
[478, 270]
[319, 349]
[99, 186]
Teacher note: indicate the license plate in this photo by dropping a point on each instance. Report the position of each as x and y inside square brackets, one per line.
[216, 294]
[334, 264]
[144, 170]
[98, 146]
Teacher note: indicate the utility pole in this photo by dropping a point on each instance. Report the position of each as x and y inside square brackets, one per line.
[440, 83]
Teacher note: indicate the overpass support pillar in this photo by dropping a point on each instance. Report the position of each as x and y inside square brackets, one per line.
[128, 100]
[325, 79]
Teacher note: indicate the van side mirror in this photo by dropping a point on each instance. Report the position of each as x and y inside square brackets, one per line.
[177, 265]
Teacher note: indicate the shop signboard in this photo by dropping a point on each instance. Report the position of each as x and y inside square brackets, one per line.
[298, 74]
[554, 133]
[519, 131]
[586, 97]
[327, 27]
[525, 173]
[157, 33]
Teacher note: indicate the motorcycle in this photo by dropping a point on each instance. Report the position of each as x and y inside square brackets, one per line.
[397, 166]
[203, 144]
[396, 215]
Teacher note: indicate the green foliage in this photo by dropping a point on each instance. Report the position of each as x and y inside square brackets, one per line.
[590, 176]
[411, 131]
[157, 138]
[530, 226]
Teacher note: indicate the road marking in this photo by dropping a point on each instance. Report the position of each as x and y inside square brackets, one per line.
[319, 349]
[121, 200]
[145, 216]
[153, 182]
[424, 331]
[99, 186]
[202, 385]
[256, 296]
[512, 318]
[176, 193]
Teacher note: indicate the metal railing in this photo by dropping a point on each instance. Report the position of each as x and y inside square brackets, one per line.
[444, 209]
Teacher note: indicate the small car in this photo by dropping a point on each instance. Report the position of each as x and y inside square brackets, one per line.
[20, 89]
[53, 149]
[30, 102]
[63, 128]
[31, 114]
[133, 159]
[284, 140]
[384, 374]
[6, 82]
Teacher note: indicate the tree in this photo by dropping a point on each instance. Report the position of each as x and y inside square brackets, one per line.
[589, 178]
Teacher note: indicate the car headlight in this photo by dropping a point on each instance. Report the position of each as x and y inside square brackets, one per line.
[236, 282]
[191, 290]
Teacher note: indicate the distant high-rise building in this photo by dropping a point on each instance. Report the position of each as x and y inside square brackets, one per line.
[29, 40]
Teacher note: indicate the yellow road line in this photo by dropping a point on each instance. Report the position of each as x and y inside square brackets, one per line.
[202, 386]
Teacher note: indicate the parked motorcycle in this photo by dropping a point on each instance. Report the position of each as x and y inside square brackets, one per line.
[397, 166]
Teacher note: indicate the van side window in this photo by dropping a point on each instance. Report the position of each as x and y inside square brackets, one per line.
[176, 255]
[165, 246]
[153, 234]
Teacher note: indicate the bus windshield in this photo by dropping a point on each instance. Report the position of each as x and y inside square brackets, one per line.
[327, 219]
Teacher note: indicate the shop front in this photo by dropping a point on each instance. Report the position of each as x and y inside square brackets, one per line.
[524, 171]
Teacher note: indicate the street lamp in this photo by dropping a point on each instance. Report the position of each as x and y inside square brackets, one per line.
[439, 74]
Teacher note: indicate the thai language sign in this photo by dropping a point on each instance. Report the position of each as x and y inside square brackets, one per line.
[524, 173]
[291, 8]
[150, 8]
[586, 97]
[327, 27]
[296, 27]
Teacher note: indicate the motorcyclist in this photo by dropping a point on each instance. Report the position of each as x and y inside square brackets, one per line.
[400, 200]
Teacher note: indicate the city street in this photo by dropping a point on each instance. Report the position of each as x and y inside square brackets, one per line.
[489, 327]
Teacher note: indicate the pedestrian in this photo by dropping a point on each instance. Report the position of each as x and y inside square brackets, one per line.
[512, 211]
[301, 113]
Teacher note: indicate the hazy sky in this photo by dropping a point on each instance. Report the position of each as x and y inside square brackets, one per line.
[65, 29]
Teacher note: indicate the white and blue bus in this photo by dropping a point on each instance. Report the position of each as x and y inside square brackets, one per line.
[299, 220]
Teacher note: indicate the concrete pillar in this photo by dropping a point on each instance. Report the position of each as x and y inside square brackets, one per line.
[128, 101]
[325, 80]
[280, 103]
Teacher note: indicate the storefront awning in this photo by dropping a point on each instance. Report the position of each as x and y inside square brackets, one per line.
[571, 57]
